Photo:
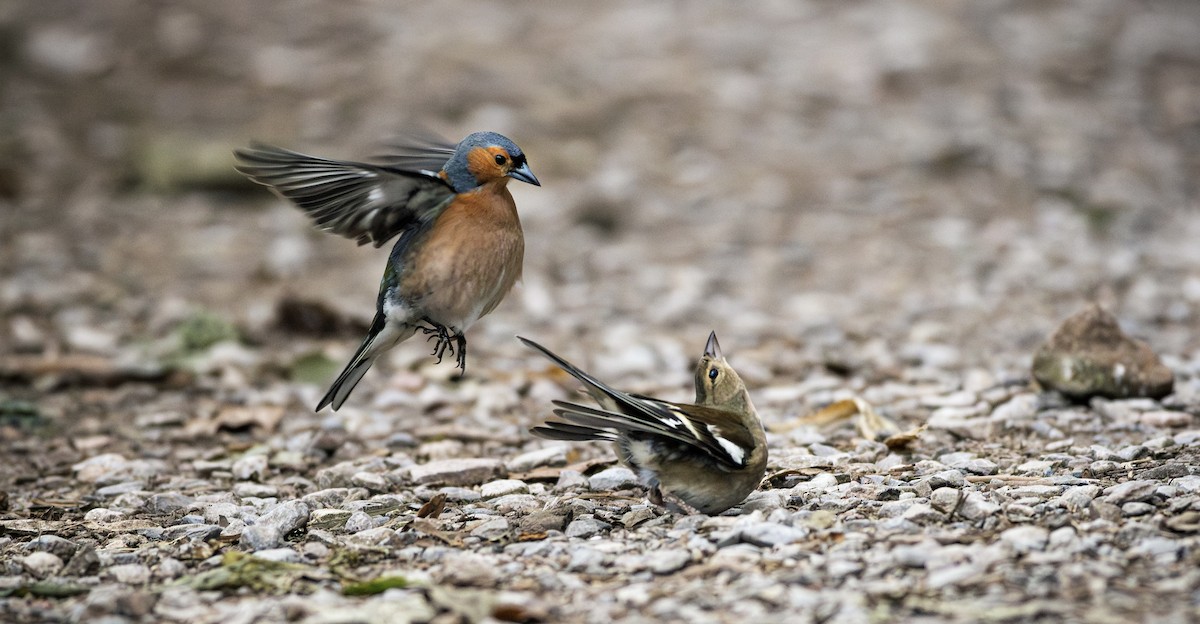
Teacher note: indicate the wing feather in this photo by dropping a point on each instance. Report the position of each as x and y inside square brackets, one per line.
[360, 201]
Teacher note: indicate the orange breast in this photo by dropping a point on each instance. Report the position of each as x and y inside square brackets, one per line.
[470, 258]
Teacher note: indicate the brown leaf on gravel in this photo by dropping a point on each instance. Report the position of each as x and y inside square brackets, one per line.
[241, 418]
[433, 507]
[433, 529]
[870, 424]
[508, 612]
[901, 441]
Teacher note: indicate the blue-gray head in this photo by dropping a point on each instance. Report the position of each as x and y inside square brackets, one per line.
[485, 157]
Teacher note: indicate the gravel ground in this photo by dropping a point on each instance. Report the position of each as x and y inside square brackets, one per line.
[896, 202]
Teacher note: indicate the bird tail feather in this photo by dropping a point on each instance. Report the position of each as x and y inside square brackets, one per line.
[556, 430]
[380, 338]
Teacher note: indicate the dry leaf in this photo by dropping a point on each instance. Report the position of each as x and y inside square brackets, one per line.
[433, 507]
[903, 440]
[240, 418]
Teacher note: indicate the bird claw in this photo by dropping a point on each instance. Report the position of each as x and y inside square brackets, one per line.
[446, 342]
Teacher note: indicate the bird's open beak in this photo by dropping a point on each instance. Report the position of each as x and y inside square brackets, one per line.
[713, 348]
[523, 174]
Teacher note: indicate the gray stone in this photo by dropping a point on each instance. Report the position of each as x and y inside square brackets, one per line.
[359, 521]
[286, 517]
[102, 515]
[914, 556]
[460, 494]
[61, 547]
[585, 527]
[1131, 491]
[975, 506]
[281, 555]
[121, 488]
[945, 499]
[1136, 509]
[1132, 452]
[954, 575]
[1026, 539]
[763, 501]
[1166, 419]
[668, 560]
[896, 508]
[84, 562]
[978, 466]
[923, 513]
[1036, 468]
[466, 471]
[549, 456]
[517, 503]
[250, 489]
[546, 520]
[41, 564]
[588, 560]
[1104, 510]
[1189, 484]
[261, 537]
[502, 487]
[167, 503]
[570, 480]
[169, 568]
[492, 529]
[379, 536]
[1089, 355]
[1161, 549]
[328, 497]
[770, 534]
[615, 478]
[1078, 498]
[194, 532]
[96, 469]
[129, 573]
[250, 468]
[221, 513]
[328, 518]
[372, 481]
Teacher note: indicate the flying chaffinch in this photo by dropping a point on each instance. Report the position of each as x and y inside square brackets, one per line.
[704, 457]
[460, 248]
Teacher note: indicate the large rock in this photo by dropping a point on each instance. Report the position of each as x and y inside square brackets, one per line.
[1089, 356]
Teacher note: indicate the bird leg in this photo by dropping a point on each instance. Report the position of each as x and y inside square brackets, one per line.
[462, 353]
[667, 500]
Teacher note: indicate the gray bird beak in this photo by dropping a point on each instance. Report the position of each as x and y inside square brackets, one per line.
[523, 174]
[712, 349]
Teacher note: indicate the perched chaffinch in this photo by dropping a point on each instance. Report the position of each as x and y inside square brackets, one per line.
[703, 457]
[460, 248]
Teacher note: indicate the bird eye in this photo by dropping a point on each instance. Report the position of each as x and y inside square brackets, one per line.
[712, 374]
[500, 159]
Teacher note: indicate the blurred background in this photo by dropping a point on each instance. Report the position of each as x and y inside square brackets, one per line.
[859, 187]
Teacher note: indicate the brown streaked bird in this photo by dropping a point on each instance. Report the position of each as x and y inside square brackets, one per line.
[704, 457]
[460, 248]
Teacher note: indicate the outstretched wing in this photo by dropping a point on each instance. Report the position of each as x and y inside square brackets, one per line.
[367, 203]
[416, 149]
[717, 433]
